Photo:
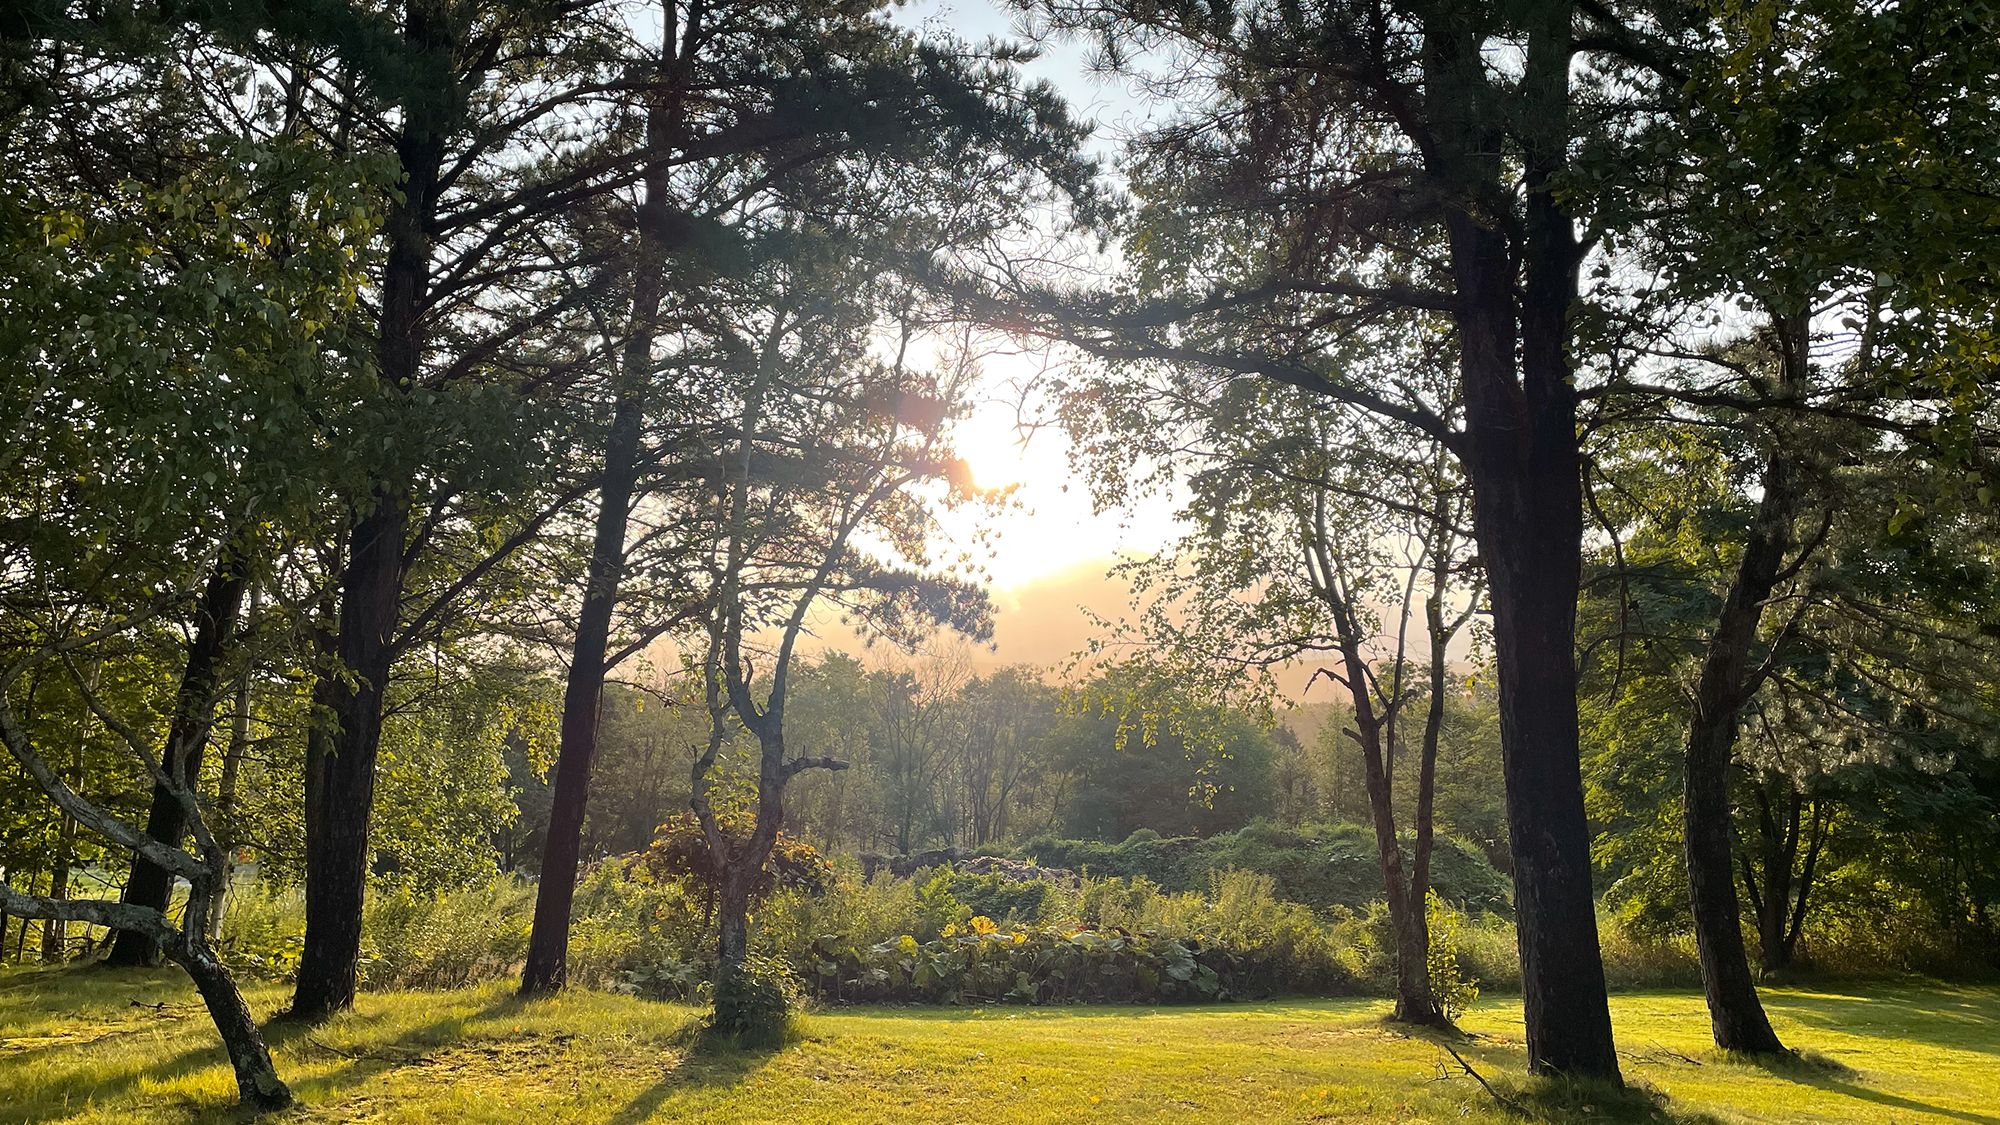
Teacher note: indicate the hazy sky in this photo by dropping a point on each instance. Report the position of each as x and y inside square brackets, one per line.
[1051, 530]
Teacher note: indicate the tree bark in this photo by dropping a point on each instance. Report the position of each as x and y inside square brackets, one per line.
[149, 884]
[548, 944]
[257, 1081]
[732, 913]
[546, 969]
[1728, 679]
[1521, 455]
[371, 595]
[343, 781]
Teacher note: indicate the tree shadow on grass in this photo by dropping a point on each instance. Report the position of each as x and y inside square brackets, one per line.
[1836, 1078]
[1550, 1100]
[55, 1103]
[709, 1061]
[1957, 1018]
[411, 1048]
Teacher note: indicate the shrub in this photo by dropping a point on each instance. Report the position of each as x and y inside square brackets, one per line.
[446, 941]
[624, 920]
[755, 1003]
[263, 931]
[1126, 932]
[1321, 866]
[1041, 964]
[1642, 957]
[995, 896]
[1450, 987]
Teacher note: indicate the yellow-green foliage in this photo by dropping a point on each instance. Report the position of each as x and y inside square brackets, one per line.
[445, 941]
[631, 930]
[74, 1049]
[1453, 991]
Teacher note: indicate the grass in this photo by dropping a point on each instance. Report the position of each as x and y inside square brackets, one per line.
[75, 1047]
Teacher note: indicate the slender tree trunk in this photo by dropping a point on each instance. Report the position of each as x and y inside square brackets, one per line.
[1728, 678]
[1426, 826]
[548, 945]
[371, 596]
[1736, 1017]
[149, 884]
[337, 850]
[1414, 1000]
[55, 931]
[257, 1081]
[21, 941]
[1779, 846]
[1803, 898]
[1415, 1003]
[225, 787]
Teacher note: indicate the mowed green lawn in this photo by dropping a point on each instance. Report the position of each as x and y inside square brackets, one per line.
[75, 1048]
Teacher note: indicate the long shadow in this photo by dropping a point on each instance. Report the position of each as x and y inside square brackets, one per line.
[279, 1033]
[51, 1098]
[407, 1049]
[704, 1065]
[1958, 1018]
[1805, 1073]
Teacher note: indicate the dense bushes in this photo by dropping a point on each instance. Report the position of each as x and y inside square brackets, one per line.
[939, 937]
[1321, 866]
[1037, 965]
[905, 939]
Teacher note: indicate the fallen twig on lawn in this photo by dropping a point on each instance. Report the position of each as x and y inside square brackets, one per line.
[1660, 1054]
[1506, 1102]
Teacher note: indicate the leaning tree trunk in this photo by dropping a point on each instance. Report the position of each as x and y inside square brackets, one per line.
[1728, 677]
[548, 943]
[149, 884]
[257, 1083]
[546, 969]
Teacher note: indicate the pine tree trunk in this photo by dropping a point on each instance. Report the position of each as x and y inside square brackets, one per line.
[1521, 455]
[1727, 681]
[548, 943]
[149, 884]
[371, 595]
[337, 852]
[1735, 1015]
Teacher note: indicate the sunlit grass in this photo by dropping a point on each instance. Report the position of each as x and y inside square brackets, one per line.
[74, 1048]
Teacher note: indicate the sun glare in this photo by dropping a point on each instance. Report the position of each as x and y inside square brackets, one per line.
[1048, 523]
